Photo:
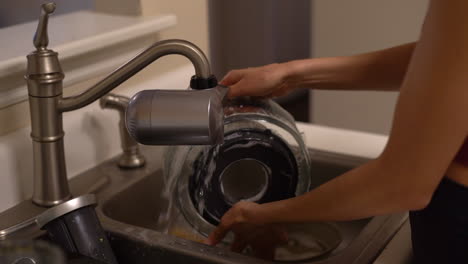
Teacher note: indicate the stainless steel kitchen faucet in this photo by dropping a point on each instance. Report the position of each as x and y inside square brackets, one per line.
[44, 78]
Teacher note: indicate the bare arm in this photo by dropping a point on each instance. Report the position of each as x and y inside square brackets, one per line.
[429, 127]
[378, 70]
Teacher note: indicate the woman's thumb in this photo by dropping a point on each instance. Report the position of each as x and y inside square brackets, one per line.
[231, 78]
[234, 91]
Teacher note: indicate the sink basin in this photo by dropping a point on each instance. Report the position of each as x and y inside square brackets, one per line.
[131, 201]
[134, 251]
[129, 250]
[137, 206]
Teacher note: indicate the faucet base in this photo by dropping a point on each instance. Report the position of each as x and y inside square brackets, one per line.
[131, 161]
[47, 204]
[20, 220]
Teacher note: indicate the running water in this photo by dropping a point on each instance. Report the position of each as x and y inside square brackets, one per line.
[170, 179]
[178, 164]
[209, 172]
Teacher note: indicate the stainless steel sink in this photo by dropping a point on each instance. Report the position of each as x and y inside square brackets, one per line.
[130, 202]
[132, 210]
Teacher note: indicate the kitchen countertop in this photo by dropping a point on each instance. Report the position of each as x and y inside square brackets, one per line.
[345, 141]
[398, 250]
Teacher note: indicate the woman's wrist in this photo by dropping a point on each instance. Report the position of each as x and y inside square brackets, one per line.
[252, 213]
[328, 73]
[259, 213]
[293, 73]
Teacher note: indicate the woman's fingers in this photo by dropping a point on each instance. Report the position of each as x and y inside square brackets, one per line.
[236, 90]
[284, 236]
[234, 219]
[238, 245]
[217, 235]
[265, 253]
[259, 81]
[232, 77]
[266, 240]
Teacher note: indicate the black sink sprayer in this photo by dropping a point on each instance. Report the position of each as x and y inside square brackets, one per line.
[75, 227]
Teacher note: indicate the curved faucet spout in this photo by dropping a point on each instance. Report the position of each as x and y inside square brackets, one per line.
[157, 50]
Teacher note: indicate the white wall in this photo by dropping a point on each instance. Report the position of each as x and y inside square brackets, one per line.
[356, 26]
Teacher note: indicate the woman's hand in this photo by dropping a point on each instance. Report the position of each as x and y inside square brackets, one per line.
[248, 230]
[265, 81]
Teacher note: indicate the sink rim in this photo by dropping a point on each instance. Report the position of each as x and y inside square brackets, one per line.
[112, 181]
[358, 249]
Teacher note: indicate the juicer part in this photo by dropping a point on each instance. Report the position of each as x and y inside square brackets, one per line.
[75, 227]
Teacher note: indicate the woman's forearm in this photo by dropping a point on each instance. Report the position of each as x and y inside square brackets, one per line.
[379, 70]
[359, 193]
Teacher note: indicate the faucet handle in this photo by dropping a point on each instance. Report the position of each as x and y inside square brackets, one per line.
[131, 157]
[41, 38]
[44, 61]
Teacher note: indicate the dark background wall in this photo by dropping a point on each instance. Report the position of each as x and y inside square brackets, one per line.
[246, 33]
